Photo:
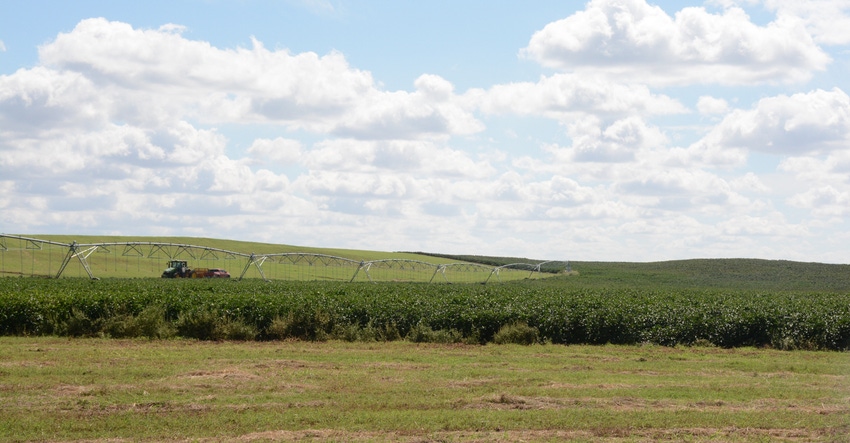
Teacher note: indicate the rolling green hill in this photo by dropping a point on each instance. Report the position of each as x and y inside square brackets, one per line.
[139, 257]
[738, 274]
[19, 258]
[242, 246]
[731, 273]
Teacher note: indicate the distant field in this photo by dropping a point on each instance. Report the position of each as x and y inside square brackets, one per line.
[240, 246]
[20, 257]
[735, 273]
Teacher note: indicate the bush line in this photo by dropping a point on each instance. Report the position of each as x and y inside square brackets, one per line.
[522, 312]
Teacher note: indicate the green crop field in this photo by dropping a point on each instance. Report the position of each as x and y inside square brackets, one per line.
[627, 304]
[731, 302]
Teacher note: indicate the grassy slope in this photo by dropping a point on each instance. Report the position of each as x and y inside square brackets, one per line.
[731, 273]
[749, 274]
[244, 246]
[737, 274]
[23, 258]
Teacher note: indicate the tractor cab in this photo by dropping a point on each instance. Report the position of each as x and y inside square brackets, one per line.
[176, 269]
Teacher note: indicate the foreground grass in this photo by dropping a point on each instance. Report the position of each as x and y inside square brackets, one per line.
[94, 389]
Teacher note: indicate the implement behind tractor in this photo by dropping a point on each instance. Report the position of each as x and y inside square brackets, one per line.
[180, 269]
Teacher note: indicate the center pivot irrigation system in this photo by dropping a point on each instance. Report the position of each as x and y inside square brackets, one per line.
[22, 256]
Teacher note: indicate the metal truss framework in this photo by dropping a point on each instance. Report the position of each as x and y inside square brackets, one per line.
[170, 251]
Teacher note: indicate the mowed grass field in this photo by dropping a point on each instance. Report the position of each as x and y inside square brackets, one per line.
[106, 390]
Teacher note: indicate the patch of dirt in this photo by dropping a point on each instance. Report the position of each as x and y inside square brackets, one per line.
[508, 401]
[598, 386]
[288, 364]
[226, 373]
[625, 404]
[545, 435]
[165, 407]
[28, 364]
[72, 390]
[397, 366]
[469, 383]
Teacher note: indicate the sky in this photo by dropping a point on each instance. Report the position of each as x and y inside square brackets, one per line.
[609, 130]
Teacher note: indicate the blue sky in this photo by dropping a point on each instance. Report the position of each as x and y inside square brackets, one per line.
[602, 130]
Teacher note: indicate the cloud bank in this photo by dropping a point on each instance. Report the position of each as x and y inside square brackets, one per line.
[120, 129]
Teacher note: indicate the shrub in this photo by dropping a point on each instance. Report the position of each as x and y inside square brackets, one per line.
[422, 333]
[237, 330]
[517, 333]
[78, 324]
[121, 326]
[202, 324]
[278, 329]
[352, 332]
[313, 326]
[390, 332]
[151, 323]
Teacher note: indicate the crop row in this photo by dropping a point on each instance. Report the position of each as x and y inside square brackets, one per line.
[472, 313]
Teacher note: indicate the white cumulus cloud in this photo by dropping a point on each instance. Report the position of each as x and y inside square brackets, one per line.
[610, 154]
[280, 150]
[567, 95]
[824, 201]
[634, 41]
[817, 121]
[189, 77]
[827, 20]
[708, 105]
